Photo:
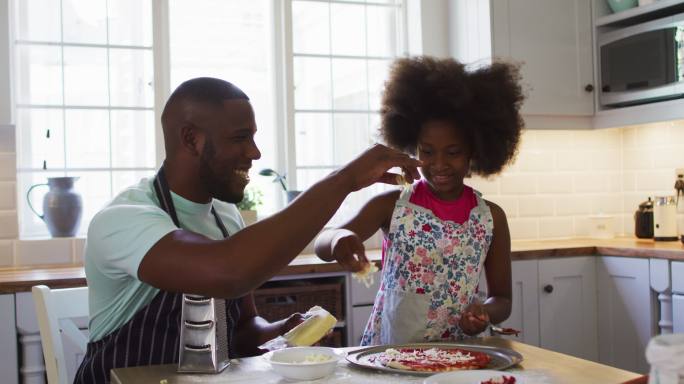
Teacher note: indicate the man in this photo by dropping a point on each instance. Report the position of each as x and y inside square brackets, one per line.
[181, 233]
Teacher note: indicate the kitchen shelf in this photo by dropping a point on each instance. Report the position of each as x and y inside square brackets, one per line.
[638, 14]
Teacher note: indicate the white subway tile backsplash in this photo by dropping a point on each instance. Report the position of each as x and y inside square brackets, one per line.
[555, 227]
[554, 140]
[79, 250]
[523, 228]
[606, 204]
[656, 180]
[48, 251]
[608, 159]
[8, 167]
[654, 135]
[7, 139]
[8, 194]
[535, 206]
[573, 160]
[573, 205]
[535, 161]
[8, 225]
[669, 158]
[487, 186]
[518, 184]
[637, 159]
[554, 183]
[628, 181]
[629, 140]
[6, 253]
[591, 182]
[507, 203]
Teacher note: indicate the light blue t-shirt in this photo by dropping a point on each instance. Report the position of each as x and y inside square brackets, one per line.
[121, 234]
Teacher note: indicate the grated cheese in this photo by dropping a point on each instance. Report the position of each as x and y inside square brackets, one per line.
[367, 275]
[432, 354]
[315, 358]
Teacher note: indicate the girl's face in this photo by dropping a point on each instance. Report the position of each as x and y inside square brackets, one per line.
[446, 158]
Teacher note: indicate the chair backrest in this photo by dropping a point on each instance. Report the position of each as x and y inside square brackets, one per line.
[55, 309]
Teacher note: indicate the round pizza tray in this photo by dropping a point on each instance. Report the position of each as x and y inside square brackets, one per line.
[501, 358]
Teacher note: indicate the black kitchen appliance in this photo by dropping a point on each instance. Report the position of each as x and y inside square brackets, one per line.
[643, 220]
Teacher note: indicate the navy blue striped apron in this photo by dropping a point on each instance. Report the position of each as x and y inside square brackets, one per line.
[152, 336]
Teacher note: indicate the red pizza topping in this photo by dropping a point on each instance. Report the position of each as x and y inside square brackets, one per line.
[500, 380]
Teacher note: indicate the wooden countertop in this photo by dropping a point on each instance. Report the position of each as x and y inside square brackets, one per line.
[538, 366]
[23, 278]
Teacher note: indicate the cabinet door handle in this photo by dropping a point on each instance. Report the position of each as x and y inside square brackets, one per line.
[589, 88]
[548, 288]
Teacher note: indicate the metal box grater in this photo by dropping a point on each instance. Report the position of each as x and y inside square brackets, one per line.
[203, 335]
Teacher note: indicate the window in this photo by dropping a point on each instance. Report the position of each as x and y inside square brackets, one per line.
[340, 54]
[84, 97]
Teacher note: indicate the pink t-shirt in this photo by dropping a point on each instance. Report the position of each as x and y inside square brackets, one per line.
[457, 210]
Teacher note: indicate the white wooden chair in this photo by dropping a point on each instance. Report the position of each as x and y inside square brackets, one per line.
[56, 309]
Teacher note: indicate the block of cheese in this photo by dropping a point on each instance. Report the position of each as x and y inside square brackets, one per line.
[317, 324]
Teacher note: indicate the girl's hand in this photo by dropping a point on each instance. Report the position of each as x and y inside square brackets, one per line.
[345, 245]
[474, 319]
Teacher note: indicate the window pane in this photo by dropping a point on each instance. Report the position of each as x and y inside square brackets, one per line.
[124, 179]
[36, 147]
[348, 29]
[85, 21]
[378, 72]
[313, 139]
[349, 84]
[133, 139]
[37, 20]
[87, 138]
[351, 136]
[95, 188]
[129, 22]
[132, 77]
[30, 225]
[38, 74]
[382, 31]
[85, 76]
[307, 177]
[312, 83]
[310, 27]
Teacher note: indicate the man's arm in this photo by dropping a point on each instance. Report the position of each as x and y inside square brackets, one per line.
[184, 261]
[252, 330]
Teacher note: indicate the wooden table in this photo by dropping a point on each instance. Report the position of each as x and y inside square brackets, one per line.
[539, 366]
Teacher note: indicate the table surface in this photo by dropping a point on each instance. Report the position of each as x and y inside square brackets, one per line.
[540, 366]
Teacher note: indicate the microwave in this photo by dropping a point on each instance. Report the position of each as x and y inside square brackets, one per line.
[642, 63]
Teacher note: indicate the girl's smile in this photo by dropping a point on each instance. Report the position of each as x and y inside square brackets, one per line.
[445, 154]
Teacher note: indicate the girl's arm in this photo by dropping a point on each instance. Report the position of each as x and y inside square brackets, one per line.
[498, 269]
[348, 239]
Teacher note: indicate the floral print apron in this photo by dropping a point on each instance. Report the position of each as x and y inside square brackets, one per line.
[430, 274]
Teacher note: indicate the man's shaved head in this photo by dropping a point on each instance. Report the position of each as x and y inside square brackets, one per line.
[209, 130]
[188, 104]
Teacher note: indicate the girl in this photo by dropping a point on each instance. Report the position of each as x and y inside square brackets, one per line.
[439, 233]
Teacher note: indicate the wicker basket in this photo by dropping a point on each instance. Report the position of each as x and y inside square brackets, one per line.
[280, 302]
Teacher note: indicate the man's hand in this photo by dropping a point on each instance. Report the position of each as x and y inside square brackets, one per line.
[286, 324]
[372, 165]
[345, 245]
[474, 319]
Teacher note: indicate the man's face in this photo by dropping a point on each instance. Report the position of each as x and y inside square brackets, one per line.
[228, 150]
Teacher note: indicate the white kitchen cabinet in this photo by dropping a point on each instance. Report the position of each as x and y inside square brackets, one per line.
[8, 341]
[525, 299]
[552, 39]
[678, 297]
[359, 318]
[567, 306]
[626, 312]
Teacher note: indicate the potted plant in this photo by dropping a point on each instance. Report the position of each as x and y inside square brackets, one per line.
[280, 178]
[248, 205]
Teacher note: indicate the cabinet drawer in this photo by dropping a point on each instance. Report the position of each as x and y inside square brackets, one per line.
[360, 295]
[360, 317]
[678, 277]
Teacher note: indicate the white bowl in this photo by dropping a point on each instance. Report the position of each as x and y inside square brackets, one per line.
[469, 377]
[289, 362]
